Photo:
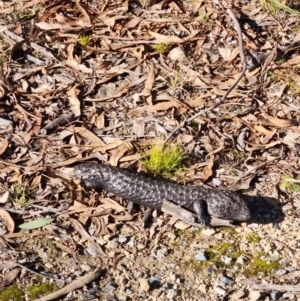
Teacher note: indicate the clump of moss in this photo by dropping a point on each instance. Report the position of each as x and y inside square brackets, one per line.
[287, 183]
[253, 237]
[37, 290]
[161, 48]
[12, 293]
[258, 265]
[224, 249]
[164, 161]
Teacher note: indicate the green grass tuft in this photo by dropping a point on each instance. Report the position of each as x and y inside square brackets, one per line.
[164, 161]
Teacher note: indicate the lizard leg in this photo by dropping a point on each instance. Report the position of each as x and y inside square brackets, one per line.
[200, 208]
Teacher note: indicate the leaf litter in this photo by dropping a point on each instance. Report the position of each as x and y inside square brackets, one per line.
[109, 80]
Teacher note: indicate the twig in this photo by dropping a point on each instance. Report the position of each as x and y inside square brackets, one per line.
[188, 217]
[243, 59]
[258, 285]
[54, 124]
[73, 286]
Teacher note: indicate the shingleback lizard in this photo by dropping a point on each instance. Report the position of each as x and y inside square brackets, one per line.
[139, 189]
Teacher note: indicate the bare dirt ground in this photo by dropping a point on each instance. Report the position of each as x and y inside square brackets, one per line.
[106, 80]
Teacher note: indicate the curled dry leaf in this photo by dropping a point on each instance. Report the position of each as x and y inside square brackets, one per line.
[4, 198]
[3, 145]
[149, 83]
[74, 101]
[2, 92]
[8, 221]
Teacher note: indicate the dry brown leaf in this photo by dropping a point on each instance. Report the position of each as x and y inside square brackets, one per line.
[291, 62]
[107, 203]
[3, 145]
[277, 122]
[9, 277]
[208, 172]
[109, 146]
[132, 23]
[131, 158]
[118, 152]
[2, 92]
[74, 101]
[263, 130]
[8, 221]
[51, 26]
[85, 133]
[225, 53]
[138, 128]
[78, 67]
[234, 53]
[4, 198]
[149, 83]
[82, 10]
[161, 106]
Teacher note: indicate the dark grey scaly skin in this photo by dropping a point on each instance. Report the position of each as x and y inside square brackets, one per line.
[151, 193]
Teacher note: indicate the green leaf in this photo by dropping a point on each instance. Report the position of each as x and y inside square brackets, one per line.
[40, 222]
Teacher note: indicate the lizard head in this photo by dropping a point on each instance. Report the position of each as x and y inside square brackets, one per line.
[230, 205]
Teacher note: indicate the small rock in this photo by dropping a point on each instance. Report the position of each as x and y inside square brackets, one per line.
[289, 296]
[209, 269]
[144, 285]
[208, 231]
[241, 260]
[122, 298]
[160, 253]
[166, 286]
[171, 294]
[155, 281]
[171, 265]
[177, 54]
[201, 256]
[254, 295]
[226, 259]
[171, 235]
[132, 243]
[238, 295]
[138, 275]
[140, 247]
[226, 280]
[112, 244]
[219, 290]
[93, 251]
[284, 261]
[85, 267]
[184, 243]
[216, 181]
[84, 297]
[275, 295]
[128, 291]
[142, 294]
[280, 272]
[123, 238]
[109, 288]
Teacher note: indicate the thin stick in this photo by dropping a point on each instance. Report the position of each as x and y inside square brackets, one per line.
[243, 59]
[80, 282]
